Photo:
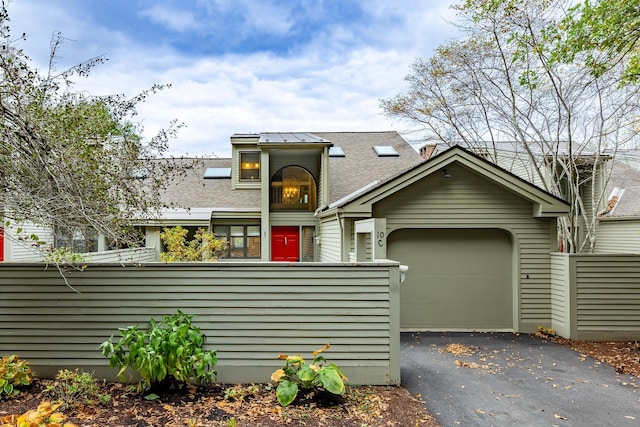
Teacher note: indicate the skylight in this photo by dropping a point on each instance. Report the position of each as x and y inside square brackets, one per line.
[385, 151]
[217, 173]
[336, 152]
[139, 173]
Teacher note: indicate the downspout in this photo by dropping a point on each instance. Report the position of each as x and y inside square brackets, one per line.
[341, 236]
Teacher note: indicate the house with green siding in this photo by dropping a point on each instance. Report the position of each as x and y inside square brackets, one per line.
[476, 238]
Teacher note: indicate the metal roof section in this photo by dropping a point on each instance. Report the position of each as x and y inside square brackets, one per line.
[336, 152]
[291, 138]
[353, 195]
[538, 148]
[385, 151]
[217, 173]
[202, 214]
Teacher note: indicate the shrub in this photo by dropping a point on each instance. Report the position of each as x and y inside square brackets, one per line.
[13, 374]
[204, 246]
[43, 416]
[74, 388]
[169, 353]
[297, 374]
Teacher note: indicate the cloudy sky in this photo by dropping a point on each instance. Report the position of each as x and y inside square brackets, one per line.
[241, 66]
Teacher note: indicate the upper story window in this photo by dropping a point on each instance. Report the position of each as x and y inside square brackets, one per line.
[293, 188]
[250, 166]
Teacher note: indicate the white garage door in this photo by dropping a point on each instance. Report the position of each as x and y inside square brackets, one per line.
[457, 279]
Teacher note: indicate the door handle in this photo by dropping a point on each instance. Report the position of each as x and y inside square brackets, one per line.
[285, 242]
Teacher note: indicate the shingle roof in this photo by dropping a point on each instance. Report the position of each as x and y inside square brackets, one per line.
[625, 175]
[194, 191]
[360, 166]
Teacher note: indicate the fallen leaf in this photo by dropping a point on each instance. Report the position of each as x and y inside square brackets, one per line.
[458, 350]
[560, 417]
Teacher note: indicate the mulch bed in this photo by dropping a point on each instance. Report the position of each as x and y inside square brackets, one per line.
[244, 406]
[207, 406]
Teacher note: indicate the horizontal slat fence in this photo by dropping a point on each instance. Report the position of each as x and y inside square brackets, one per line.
[249, 312]
[602, 296]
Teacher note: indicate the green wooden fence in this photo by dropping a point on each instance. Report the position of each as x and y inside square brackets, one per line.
[249, 312]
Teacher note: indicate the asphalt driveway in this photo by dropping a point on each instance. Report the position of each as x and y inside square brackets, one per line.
[513, 379]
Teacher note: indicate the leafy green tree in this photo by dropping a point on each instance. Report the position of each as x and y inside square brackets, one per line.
[70, 161]
[501, 82]
[606, 34]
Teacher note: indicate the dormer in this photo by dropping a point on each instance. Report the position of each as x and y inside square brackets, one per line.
[246, 161]
[291, 168]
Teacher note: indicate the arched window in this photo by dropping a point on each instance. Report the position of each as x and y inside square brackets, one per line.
[293, 188]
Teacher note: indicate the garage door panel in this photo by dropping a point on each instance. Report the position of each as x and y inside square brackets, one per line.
[458, 279]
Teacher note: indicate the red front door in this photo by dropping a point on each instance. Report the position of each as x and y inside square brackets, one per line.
[285, 244]
[1, 244]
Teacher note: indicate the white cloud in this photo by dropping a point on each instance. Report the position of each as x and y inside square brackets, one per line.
[174, 19]
[334, 83]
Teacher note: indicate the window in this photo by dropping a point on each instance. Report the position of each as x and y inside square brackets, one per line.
[244, 240]
[250, 166]
[79, 241]
[293, 188]
[308, 240]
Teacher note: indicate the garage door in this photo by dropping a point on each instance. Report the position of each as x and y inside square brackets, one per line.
[457, 279]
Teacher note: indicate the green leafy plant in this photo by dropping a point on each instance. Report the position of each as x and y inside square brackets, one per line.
[297, 374]
[169, 354]
[240, 393]
[204, 246]
[74, 388]
[65, 256]
[14, 373]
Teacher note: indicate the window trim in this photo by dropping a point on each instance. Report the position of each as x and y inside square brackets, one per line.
[245, 240]
[255, 168]
[305, 198]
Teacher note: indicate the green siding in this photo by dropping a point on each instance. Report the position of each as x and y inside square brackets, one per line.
[249, 313]
[604, 291]
[560, 296]
[329, 232]
[467, 200]
[618, 237]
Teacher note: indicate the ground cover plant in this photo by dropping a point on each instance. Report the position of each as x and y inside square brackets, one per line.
[297, 375]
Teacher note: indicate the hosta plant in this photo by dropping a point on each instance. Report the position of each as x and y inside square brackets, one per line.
[297, 374]
[167, 355]
[43, 416]
[14, 373]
